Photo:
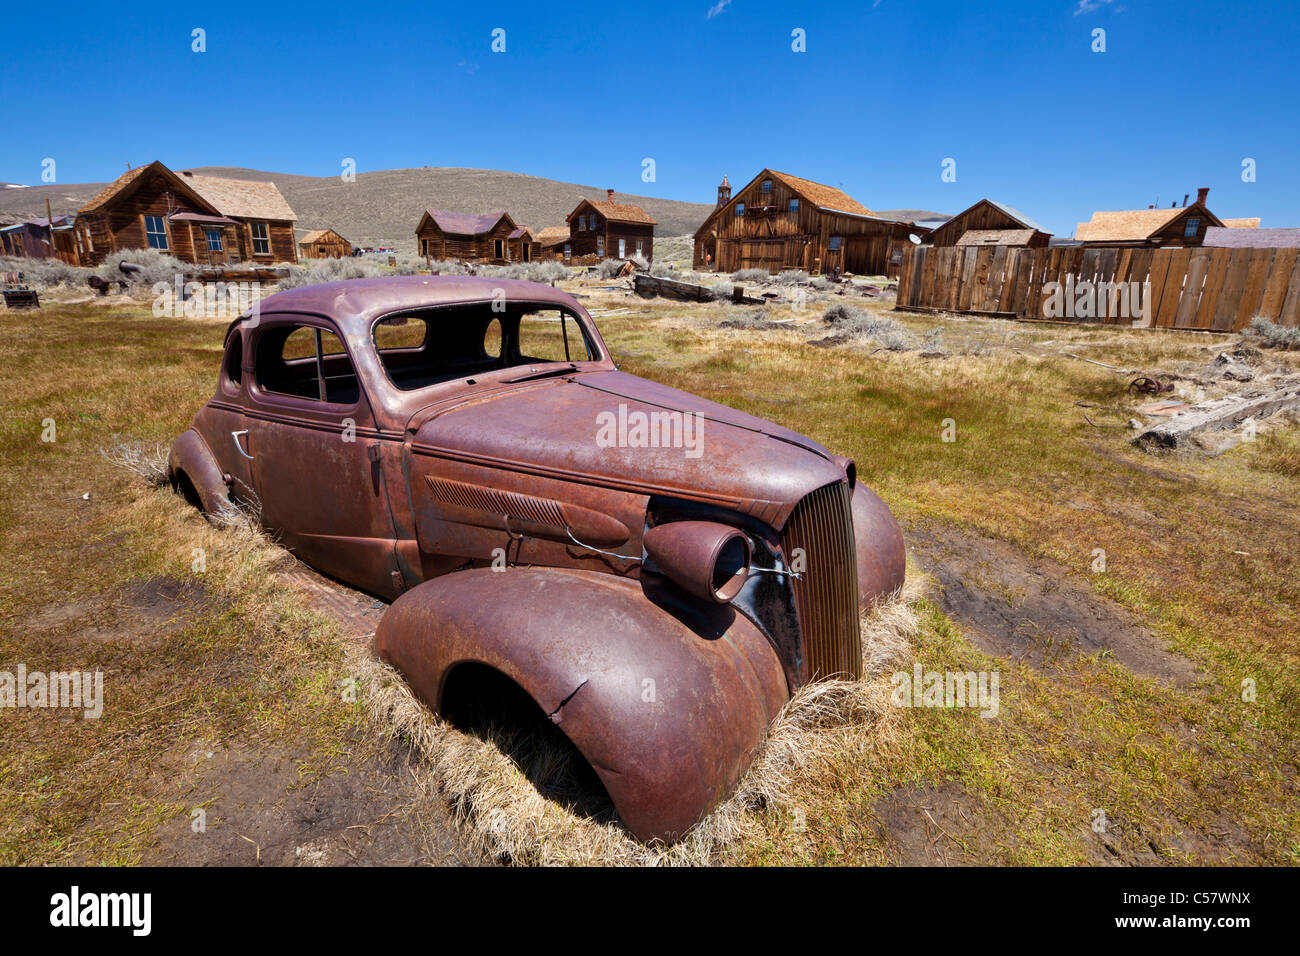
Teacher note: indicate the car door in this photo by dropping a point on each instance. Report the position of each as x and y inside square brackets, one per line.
[314, 452]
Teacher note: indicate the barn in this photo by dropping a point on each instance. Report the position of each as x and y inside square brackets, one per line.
[779, 221]
[441, 234]
[205, 220]
[990, 223]
[610, 230]
[323, 244]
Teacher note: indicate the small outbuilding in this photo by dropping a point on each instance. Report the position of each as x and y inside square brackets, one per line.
[990, 223]
[324, 244]
[553, 243]
[38, 239]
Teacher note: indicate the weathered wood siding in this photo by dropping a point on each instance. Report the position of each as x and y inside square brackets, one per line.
[436, 244]
[983, 215]
[1217, 290]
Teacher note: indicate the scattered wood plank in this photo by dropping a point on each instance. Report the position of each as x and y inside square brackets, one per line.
[648, 286]
[1221, 414]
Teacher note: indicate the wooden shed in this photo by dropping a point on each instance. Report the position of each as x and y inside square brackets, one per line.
[610, 230]
[779, 221]
[456, 235]
[323, 244]
[524, 246]
[553, 243]
[988, 216]
[204, 220]
[1173, 226]
[35, 239]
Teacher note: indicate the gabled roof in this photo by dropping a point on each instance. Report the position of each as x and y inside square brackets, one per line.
[1252, 223]
[321, 235]
[617, 211]
[553, 234]
[1237, 237]
[523, 232]
[820, 195]
[132, 179]
[463, 224]
[242, 198]
[1129, 224]
[996, 237]
[1017, 215]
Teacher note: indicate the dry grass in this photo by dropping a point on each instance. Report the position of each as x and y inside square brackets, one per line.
[492, 782]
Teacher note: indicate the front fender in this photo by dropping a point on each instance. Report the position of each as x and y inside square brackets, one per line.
[667, 699]
[190, 454]
[882, 562]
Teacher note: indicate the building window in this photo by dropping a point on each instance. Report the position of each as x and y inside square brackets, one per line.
[836, 242]
[600, 246]
[740, 209]
[767, 188]
[582, 223]
[261, 239]
[638, 247]
[622, 248]
[214, 239]
[1193, 225]
[595, 223]
[155, 230]
[794, 205]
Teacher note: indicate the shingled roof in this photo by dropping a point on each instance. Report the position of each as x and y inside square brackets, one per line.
[1129, 224]
[553, 234]
[621, 212]
[243, 198]
[821, 195]
[1251, 223]
[1238, 237]
[130, 179]
[996, 237]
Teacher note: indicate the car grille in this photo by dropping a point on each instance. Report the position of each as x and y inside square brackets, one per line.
[826, 596]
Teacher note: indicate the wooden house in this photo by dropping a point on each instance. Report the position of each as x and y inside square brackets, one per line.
[553, 243]
[1175, 226]
[523, 245]
[323, 244]
[610, 230]
[35, 239]
[778, 221]
[204, 220]
[993, 224]
[456, 235]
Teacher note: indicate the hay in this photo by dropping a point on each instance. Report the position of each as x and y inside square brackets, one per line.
[516, 809]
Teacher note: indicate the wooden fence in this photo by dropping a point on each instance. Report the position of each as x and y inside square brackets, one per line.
[1212, 289]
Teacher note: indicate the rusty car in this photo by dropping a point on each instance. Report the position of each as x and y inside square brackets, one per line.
[658, 572]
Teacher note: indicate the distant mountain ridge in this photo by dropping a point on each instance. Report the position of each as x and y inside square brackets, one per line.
[382, 208]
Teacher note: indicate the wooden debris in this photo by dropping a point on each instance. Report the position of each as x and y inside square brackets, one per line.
[1221, 414]
[648, 286]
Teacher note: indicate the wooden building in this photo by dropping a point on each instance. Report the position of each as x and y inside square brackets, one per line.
[553, 243]
[778, 221]
[1183, 225]
[523, 245]
[323, 244]
[456, 235]
[610, 230]
[993, 224]
[204, 220]
[35, 239]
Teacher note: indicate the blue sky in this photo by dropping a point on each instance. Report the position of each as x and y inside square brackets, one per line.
[1012, 91]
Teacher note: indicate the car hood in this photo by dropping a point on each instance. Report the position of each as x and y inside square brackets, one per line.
[602, 428]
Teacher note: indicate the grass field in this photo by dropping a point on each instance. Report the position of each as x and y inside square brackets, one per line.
[1122, 734]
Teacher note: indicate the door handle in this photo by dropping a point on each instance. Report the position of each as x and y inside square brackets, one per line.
[239, 447]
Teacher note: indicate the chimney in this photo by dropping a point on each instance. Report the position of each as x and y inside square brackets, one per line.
[1201, 194]
[1185, 196]
[609, 195]
[1151, 205]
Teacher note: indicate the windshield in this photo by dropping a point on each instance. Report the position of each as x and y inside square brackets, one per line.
[420, 349]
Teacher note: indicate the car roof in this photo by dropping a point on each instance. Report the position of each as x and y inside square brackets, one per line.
[355, 303]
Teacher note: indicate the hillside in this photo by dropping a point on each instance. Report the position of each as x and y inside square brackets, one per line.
[381, 208]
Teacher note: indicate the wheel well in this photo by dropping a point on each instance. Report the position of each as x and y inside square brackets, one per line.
[181, 483]
[481, 700]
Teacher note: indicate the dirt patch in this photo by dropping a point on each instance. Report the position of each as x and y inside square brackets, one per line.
[1013, 606]
[256, 812]
[931, 826]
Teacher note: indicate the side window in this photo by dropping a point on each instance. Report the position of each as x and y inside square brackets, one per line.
[306, 362]
[400, 332]
[551, 336]
[235, 358]
[492, 340]
[261, 239]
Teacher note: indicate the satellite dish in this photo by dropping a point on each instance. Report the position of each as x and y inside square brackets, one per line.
[914, 238]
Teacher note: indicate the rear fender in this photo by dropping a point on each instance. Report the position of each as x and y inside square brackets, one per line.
[666, 698]
[190, 454]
